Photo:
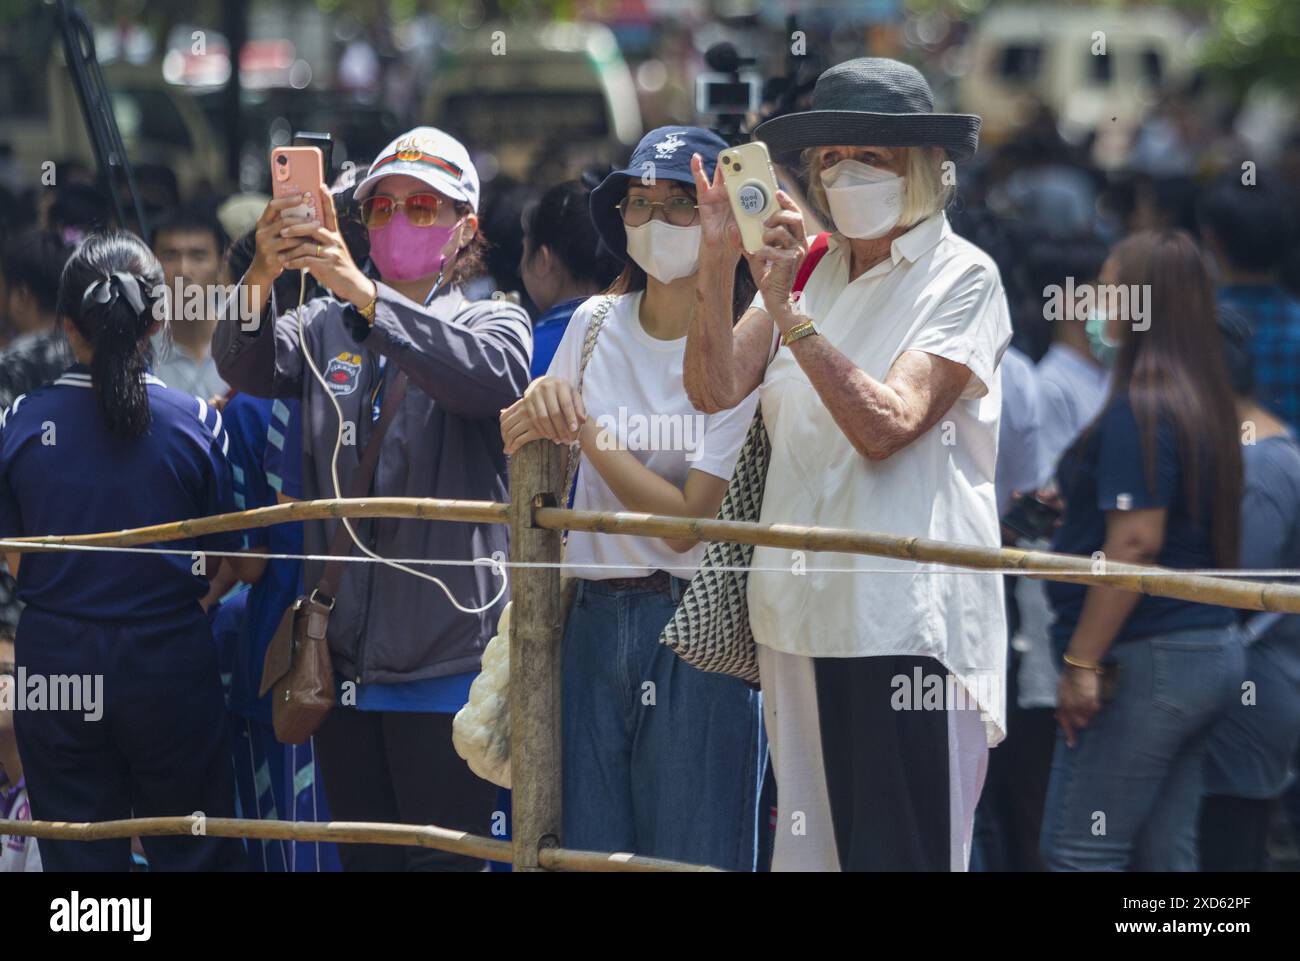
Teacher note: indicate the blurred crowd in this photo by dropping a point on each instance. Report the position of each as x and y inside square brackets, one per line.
[1053, 224]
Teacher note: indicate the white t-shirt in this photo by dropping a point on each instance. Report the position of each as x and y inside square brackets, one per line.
[177, 369]
[1071, 391]
[936, 293]
[633, 386]
[1019, 433]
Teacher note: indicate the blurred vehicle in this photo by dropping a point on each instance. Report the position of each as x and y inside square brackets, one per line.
[262, 63]
[270, 116]
[159, 123]
[542, 102]
[1021, 57]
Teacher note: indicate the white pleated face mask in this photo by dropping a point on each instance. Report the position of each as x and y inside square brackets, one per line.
[665, 252]
[865, 201]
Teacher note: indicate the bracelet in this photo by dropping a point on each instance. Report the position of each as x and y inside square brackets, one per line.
[798, 332]
[1082, 665]
[368, 311]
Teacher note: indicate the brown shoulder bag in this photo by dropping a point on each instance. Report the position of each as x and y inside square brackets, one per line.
[297, 669]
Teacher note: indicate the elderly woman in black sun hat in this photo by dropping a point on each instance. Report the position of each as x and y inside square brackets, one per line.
[882, 680]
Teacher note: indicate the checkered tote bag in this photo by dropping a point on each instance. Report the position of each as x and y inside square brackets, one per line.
[711, 627]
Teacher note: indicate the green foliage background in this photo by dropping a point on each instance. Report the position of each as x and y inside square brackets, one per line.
[1246, 40]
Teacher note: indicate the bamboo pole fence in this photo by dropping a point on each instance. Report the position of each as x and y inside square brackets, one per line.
[344, 832]
[536, 526]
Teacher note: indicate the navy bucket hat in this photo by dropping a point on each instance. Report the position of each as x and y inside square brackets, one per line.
[663, 154]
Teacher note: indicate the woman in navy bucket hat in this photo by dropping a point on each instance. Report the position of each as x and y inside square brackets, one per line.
[881, 394]
[660, 758]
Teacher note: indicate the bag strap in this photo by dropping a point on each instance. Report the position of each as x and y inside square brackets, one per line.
[816, 250]
[341, 542]
[588, 346]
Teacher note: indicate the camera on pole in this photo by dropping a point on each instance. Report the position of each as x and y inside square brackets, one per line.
[729, 92]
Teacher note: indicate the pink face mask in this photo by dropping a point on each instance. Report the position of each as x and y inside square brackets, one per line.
[402, 251]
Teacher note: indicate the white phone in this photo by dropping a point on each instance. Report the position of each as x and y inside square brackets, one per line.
[751, 186]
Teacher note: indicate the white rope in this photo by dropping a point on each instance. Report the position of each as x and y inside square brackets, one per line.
[498, 565]
[338, 492]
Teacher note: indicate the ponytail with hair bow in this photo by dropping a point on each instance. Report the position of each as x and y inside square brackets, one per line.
[108, 289]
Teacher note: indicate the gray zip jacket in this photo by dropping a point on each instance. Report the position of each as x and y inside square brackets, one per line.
[465, 361]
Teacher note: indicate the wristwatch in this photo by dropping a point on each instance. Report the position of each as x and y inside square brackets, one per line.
[368, 311]
[798, 332]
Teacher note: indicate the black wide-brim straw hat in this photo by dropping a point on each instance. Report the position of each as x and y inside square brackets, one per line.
[870, 102]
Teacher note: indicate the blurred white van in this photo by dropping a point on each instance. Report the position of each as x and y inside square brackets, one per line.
[1019, 56]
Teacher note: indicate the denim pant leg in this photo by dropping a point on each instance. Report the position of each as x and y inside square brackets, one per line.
[1126, 796]
[1169, 840]
[697, 754]
[596, 739]
[1186, 673]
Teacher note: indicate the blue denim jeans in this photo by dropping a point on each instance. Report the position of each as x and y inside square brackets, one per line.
[1126, 797]
[660, 759]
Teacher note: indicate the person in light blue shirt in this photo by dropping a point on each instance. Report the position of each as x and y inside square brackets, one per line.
[1019, 430]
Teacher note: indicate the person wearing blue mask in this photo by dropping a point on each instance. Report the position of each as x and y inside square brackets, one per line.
[1156, 479]
[109, 446]
[660, 758]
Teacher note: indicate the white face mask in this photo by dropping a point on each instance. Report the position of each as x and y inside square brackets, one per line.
[865, 201]
[665, 252]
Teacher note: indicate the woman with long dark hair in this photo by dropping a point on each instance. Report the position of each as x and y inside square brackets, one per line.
[1155, 479]
[108, 445]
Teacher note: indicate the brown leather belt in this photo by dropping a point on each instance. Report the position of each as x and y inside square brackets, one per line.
[660, 581]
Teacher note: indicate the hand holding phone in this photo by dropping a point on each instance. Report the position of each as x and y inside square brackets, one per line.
[752, 188]
[1032, 517]
[301, 170]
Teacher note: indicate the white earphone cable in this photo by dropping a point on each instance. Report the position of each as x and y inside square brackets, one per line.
[497, 567]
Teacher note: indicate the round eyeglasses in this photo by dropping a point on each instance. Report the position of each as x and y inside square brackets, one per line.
[678, 211]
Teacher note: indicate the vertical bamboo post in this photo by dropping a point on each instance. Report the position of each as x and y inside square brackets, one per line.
[536, 625]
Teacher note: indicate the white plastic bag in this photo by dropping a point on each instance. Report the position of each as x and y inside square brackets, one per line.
[481, 730]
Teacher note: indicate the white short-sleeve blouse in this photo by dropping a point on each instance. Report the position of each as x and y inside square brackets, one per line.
[936, 293]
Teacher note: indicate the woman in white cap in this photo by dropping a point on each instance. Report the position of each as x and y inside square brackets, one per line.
[880, 391]
[403, 654]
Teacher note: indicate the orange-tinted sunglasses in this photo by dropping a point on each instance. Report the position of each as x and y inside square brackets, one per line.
[421, 209]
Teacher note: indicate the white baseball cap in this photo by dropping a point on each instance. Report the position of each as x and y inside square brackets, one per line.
[427, 154]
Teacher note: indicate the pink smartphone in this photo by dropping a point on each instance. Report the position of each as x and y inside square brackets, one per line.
[301, 170]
